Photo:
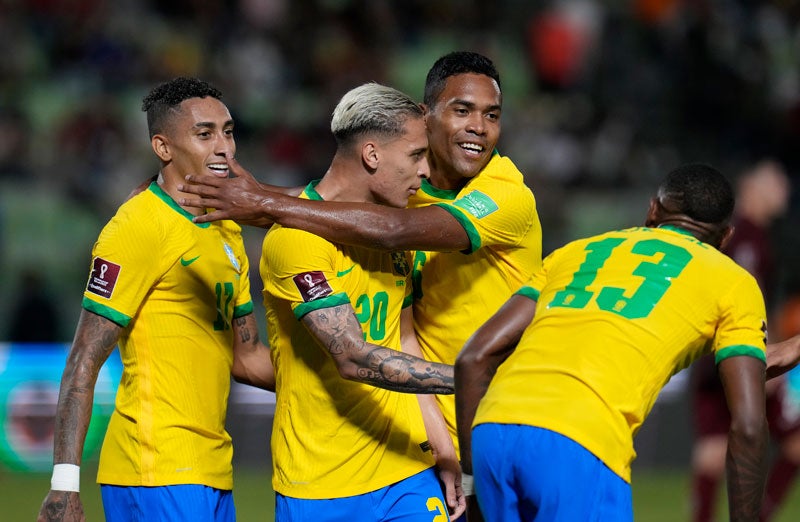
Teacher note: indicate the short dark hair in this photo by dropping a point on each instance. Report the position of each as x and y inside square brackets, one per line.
[164, 98]
[457, 62]
[699, 191]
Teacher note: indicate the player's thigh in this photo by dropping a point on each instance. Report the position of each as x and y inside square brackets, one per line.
[492, 458]
[533, 474]
[167, 503]
[573, 484]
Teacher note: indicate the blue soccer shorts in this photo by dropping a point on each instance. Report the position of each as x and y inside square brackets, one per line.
[415, 499]
[167, 503]
[532, 474]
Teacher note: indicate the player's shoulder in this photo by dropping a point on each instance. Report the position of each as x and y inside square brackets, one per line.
[501, 176]
[293, 240]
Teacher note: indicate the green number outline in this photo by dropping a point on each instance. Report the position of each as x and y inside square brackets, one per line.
[373, 312]
[656, 278]
[223, 322]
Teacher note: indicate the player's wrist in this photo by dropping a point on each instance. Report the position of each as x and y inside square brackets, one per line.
[66, 477]
[467, 485]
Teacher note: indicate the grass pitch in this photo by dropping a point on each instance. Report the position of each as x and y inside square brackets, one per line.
[658, 496]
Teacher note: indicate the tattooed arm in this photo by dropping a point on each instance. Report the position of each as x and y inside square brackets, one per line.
[251, 358]
[338, 330]
[746, 462]
[95, 338]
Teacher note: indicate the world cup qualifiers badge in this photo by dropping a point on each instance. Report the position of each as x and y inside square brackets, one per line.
[103, 277]
[312, 285]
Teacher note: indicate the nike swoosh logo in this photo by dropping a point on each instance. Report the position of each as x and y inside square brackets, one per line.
[345, 272]
[187, 262]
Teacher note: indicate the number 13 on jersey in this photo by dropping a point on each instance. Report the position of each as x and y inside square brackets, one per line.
[661, 264]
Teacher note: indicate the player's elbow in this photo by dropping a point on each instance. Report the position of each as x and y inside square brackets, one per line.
[750, 431]
[349, 371]
[469, 358]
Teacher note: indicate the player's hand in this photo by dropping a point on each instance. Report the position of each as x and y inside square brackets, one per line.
[450, 476]
[239, 197]
[782, 356]
[62, 506]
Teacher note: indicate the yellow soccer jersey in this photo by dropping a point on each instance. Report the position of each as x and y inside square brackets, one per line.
[456, 292]
[332, 437]
[174, 286]
[617, 315]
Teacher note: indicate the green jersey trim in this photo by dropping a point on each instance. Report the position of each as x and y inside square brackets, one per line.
[166, 198]
[104, 311]
[242, 310]
[679, 230]
[740, 349]
[408, 300]
[311, 191]
[469, 228]
[318, 304]
[529, 292]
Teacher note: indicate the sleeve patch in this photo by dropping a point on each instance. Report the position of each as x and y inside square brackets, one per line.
[477, 203]
[312, 285]
[103, 278]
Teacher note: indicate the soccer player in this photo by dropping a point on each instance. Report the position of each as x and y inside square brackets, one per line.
[762, 196]
[473, 224]
[345, 444]
[552, 389]
[175, 296]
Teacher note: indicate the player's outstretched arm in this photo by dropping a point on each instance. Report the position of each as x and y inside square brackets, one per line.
[252, 363]
[338, 329]
[246, 201]
[475, 366]
[783, 356]
[95, 338]
[444, 451]
[746, 462]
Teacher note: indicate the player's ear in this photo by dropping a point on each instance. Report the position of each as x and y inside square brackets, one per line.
[161, 147]
[653, 214]
[370, 155]
[727, 234]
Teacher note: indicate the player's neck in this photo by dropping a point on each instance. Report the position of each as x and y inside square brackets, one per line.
[444, 180]
[168, 181]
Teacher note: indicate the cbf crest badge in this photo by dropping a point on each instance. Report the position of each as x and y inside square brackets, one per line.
[232, 257]
[400, 263]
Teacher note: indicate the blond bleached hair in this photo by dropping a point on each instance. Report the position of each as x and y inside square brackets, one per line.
[372, 108]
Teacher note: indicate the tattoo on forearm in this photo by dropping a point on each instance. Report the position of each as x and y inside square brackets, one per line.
[746, 476]
[94, 340]
[341, 332]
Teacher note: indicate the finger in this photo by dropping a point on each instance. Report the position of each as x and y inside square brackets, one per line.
[451, 494]
[459, 510]
[199, 190]
[211, 181]
[209, 217]
[235, 168]
[197, 202]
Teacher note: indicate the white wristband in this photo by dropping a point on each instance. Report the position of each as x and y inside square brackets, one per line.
[66, 477]
[467, 485]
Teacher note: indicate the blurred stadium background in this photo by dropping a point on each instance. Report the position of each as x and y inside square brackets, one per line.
[601, 98]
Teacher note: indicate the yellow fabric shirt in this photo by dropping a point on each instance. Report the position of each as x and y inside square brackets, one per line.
[456, 292]
[332, 437]
[174, 286]
[617, 315]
